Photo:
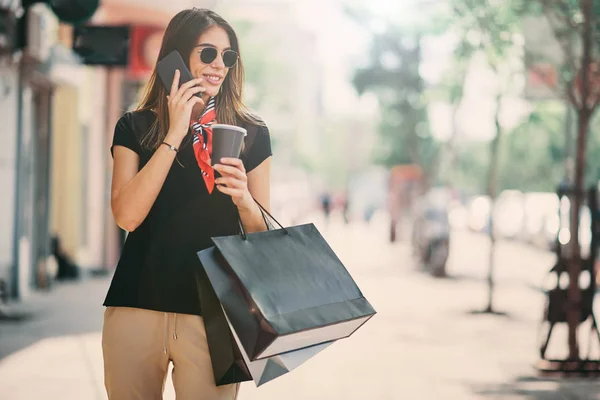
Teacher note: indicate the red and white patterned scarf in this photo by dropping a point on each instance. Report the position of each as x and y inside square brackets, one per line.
[202, 142]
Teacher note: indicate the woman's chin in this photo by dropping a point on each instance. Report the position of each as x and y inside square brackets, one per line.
[212, 91]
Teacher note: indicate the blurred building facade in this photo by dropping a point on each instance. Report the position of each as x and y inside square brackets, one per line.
[293, 105]
[29, 77]
[9, 117]
[57, 119]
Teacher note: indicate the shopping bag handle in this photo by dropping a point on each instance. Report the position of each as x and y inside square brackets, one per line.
[263, 211]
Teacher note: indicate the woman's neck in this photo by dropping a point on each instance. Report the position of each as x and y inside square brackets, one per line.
[199, 108]
[197, 111]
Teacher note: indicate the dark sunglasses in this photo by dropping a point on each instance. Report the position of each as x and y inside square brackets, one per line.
[209, 54]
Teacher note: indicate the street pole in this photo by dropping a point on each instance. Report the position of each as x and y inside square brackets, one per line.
[492, 193]
[15, 284]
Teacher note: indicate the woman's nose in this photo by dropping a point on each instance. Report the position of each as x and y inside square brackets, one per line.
[218, 63]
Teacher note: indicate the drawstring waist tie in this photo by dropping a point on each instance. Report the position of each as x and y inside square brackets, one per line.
[175, 327]
[166, 330]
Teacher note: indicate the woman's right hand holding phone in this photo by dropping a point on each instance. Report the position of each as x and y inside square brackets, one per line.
[181, 101]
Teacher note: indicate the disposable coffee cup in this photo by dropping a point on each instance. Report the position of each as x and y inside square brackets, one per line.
[227, 141]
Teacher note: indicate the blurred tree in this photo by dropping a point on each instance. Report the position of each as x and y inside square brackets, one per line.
[534, 151]
[593, 153]
[532, 155]
[492, 28]
[451, 90]
[472, 160]
[576, 26]
[392, 74]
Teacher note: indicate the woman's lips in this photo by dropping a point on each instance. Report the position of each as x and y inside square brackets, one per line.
[213, 79]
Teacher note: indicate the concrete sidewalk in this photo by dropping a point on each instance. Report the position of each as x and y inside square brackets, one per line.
[55, 352]
[423, 344]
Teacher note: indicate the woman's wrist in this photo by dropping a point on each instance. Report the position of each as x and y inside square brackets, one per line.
[173, 140]
[252, 218]
[248, 205]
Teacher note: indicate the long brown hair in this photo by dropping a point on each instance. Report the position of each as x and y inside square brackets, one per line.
[182, 34]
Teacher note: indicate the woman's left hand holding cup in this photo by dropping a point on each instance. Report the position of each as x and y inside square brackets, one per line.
[234, 182]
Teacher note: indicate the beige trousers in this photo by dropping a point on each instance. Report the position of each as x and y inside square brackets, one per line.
[138, 346]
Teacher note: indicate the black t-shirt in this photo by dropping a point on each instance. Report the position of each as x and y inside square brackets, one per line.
[159, 269]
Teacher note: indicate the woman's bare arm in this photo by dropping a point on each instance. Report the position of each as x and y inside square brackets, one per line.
[133, 192]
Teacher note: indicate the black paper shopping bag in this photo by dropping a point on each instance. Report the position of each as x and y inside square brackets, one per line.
[227, 361]
[288, 290]
[230, 363]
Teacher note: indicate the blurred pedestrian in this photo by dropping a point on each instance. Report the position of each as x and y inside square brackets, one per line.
[326, 206]
[162, 193]
[368, 212]
[346, 208]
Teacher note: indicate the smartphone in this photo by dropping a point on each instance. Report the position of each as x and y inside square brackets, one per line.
[166, 70]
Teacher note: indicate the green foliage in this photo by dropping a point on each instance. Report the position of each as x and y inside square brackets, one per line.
[486, 26]
[533, 155]
[489, 28]
[534, 152]
[470, 174]
[592, 176]
[397, 147]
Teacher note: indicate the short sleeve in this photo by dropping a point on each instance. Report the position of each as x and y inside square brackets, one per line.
[124, 135]
[259, 148]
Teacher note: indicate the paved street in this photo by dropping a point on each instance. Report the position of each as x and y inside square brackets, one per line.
[423, 344]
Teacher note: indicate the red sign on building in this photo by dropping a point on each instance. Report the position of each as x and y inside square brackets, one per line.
[143, 51]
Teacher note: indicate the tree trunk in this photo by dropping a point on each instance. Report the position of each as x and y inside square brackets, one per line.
[574, 259]
[492, 193]
[568, 159]
[583, 121]
[448, 164]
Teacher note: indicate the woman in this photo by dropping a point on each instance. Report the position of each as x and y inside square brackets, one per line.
[165, 194]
